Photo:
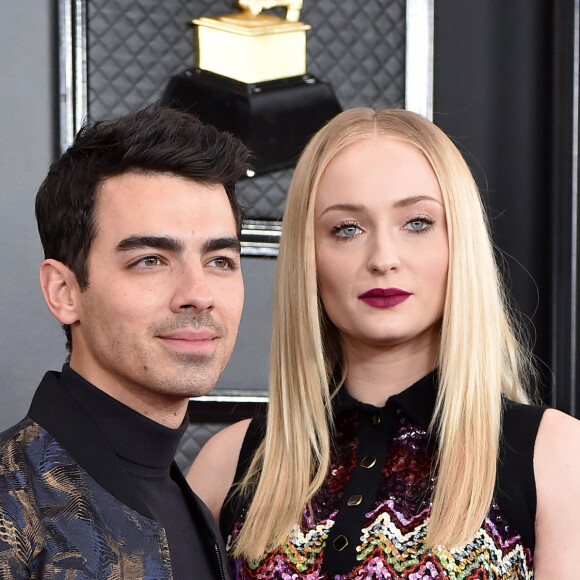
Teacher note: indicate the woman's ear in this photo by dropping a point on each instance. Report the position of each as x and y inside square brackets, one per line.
[61, 291]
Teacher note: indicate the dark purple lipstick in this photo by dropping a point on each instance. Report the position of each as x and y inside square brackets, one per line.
[384, 297]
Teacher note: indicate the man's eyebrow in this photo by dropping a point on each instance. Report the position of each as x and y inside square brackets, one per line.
[222, 243]
[159, 242]
[174, 245]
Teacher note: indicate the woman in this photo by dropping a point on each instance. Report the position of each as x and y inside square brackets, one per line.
[399, 442]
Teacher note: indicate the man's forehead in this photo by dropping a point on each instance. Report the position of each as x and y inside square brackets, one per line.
[158, 204]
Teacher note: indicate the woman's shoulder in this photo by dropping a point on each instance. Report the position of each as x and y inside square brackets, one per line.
[234, 503]
[537, 430]
[557, 450]
[213, 471]
[557, 473]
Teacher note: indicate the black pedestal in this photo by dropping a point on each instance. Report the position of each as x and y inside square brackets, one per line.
[275, 119]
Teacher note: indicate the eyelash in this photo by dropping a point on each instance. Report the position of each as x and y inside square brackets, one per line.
[141, 262]
[339, 228]
[428, 221]
[231, 264]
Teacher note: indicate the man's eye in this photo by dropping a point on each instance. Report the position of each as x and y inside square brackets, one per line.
[150, 261]
[222, 263]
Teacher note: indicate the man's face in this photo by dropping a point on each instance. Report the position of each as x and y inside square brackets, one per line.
[158, 320]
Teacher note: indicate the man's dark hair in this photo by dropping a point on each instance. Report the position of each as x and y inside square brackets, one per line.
[156, 139]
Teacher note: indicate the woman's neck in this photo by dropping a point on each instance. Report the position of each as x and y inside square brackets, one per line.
[376, 373]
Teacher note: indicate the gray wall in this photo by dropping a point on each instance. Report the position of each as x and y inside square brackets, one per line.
[30, 340]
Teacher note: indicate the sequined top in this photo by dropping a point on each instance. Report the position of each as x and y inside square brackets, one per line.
[369, 518]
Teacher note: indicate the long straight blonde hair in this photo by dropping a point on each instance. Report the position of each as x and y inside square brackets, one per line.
[480, 355]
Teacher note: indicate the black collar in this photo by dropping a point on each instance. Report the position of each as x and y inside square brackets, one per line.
[131, 435]
[417, 401]
[54, 408]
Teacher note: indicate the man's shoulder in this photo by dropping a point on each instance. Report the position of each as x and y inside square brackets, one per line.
[24, 448]
[15, 430]
[21, 436]
[21, 451]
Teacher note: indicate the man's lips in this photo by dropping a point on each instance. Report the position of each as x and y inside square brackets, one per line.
[384, 297]
[194, 341]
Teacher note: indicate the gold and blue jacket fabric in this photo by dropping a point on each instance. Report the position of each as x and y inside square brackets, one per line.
[68, 509]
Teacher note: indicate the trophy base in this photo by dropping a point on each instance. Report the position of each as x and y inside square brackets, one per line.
[275, 119]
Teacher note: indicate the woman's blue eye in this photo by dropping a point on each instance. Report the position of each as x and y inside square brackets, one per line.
[346, 230]
[419, 225]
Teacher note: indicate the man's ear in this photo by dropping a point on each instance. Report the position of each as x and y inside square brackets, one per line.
[61, 291]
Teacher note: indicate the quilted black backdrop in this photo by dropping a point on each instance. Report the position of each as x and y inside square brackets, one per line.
[135, 46]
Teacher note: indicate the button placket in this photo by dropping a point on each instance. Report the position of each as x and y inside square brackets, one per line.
[359, 493]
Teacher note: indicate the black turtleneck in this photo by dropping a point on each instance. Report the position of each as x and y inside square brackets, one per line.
[146, 449]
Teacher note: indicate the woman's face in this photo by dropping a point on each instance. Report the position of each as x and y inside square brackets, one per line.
[381, 245]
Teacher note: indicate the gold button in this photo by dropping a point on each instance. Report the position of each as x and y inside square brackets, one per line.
[368, 462]
[340, 543]
[376, 419]
[354, 500]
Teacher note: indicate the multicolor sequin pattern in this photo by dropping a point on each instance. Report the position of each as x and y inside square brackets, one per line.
[391, 543]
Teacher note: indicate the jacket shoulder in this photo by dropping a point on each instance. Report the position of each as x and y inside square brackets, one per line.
[20, 445]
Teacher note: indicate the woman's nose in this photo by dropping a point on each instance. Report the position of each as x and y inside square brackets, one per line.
[383, 254]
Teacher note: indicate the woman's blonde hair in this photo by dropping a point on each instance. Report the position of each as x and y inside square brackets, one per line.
[480, 356]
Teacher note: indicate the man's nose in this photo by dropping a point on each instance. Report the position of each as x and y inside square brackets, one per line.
[192, 290]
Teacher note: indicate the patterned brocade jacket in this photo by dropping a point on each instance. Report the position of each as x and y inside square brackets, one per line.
[369, 519]
[68, 508]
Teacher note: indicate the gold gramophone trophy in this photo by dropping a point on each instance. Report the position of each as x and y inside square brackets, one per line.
[250, 79]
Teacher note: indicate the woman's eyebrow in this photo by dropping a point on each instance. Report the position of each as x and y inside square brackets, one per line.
[407, 201]
[403, 202]
[343, 207]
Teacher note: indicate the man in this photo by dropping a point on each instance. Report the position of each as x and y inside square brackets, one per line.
[140, 228]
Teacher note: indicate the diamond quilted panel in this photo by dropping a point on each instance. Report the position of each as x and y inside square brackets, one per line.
[135, 46]
[272, 189]
[193, 440]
